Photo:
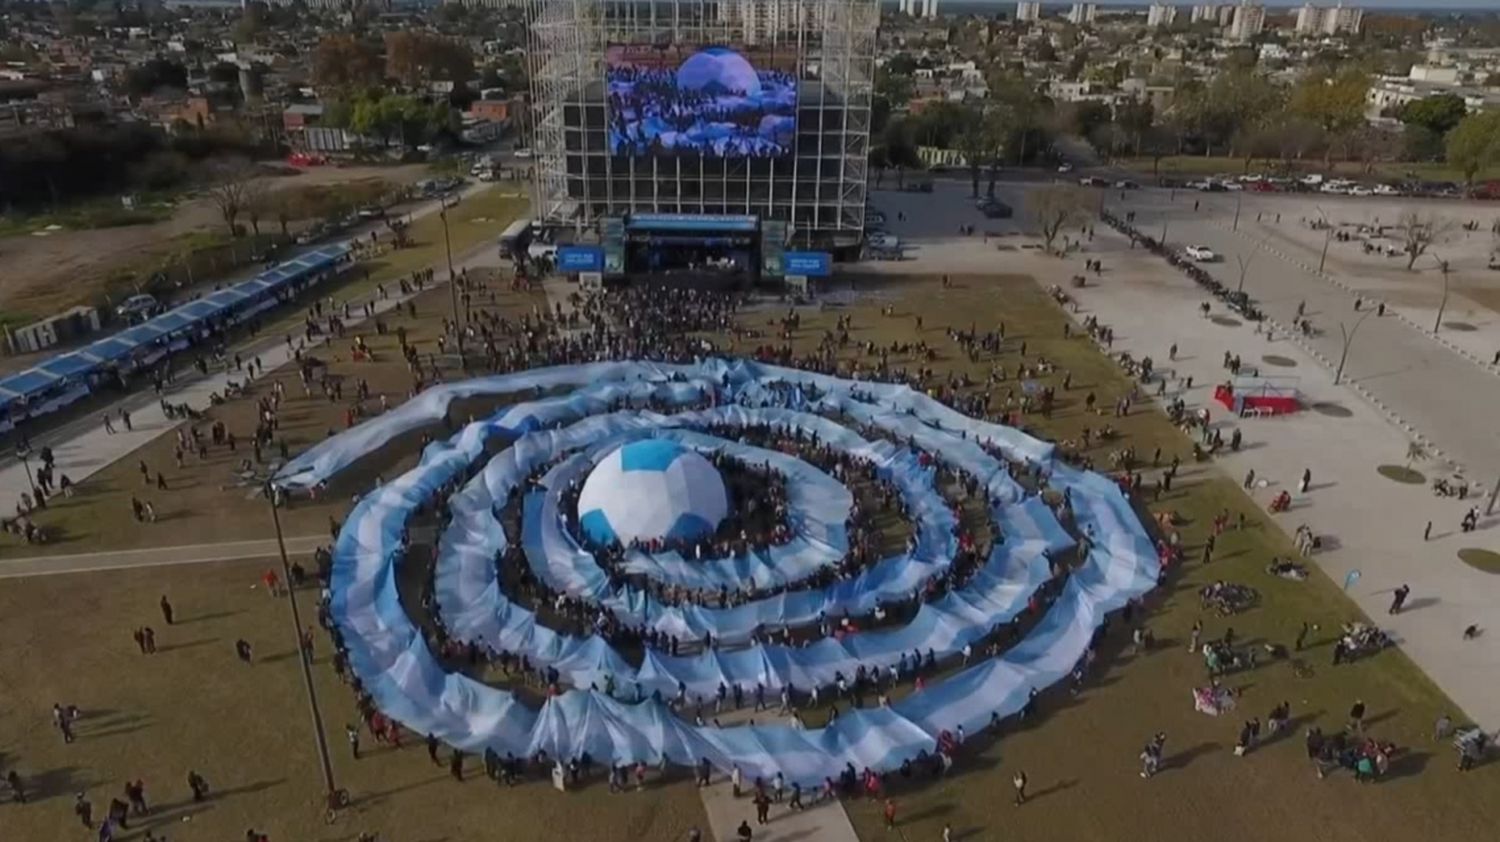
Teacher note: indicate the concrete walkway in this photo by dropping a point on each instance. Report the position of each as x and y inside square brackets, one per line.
[156, 556]
[1368, 523]
[825, 822]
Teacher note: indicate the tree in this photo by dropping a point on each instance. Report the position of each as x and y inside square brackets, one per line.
[256, 201]
[416, 58]
[345, 62]
[149, 76]
[1418, 232]
[1474, 144]
[229, 189]
[1335, 103]
[1057, 207]
[1438, 113]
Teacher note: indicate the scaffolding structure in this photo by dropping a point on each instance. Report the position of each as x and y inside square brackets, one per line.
[818, 190]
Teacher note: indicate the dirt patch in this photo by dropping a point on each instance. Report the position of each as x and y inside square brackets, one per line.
[1278, 360]
[1401, 474]
[1485, 560]
[1332, 410]
[1225, 321]
[47, 273]
[1461, 327]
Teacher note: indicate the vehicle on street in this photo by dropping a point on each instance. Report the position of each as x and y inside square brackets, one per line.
[1202, 254]
[1093, 181]
[1127, 184]
[993, 208]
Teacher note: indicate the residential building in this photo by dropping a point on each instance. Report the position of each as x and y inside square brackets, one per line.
[1028, 12]
[1320, 20]
[1205, 12]
[1161, 14]
[1082, 13]
[1389, 93]
[932, 9]
[764, 19]
[1248, 21]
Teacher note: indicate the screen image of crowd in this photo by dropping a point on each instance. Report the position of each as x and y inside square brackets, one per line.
[713, 102]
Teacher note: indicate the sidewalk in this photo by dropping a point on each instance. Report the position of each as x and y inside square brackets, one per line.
[1369, 523]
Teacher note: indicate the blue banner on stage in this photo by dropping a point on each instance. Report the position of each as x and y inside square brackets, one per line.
[812, 264]
[580, 259]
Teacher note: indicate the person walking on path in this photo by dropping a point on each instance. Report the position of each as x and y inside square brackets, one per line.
[1357, 717]
[1398, 598]
[84, 810]
[17, 786]
[353, 734]
[1250, 479]
[1427, 532]
[166, 610]
[1306, 481]
[63, 721]
[762, 808]
[890, 814]
[1019, 782]
[1151, 755]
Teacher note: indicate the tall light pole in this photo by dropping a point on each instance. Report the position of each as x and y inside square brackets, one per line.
[23, 453]
[303, 656]
[1442, 302]
[458, 329]
[1239, 199]
[1348, 333]
[1327, 237]
[1245, 264]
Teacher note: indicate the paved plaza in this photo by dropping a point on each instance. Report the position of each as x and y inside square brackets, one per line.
[1369, 523]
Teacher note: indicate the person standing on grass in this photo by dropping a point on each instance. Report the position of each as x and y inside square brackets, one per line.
[762, 808]
[353, 734]
[166, 610]
[84, 810]
[1357, 717]
[1306, 482]
[1196, 635]
[1019, 782]
[243, 651]
[17, 786]
[890, 814]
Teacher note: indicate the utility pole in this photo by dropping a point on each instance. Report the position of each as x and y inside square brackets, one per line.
[1348, 340]
[1239, 199]
[1327, 237]
[302, 654]
[1443, 302]
[458, 329]
[23, 453]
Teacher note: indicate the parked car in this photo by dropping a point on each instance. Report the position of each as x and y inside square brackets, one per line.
[995, 209]
[136, 306]
[1093, 181]
[1064, 167]
[1202, 254]
[1127, 184]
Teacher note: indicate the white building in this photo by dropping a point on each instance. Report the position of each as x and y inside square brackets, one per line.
[1249, 20]
[1320, 20]
[931, 10]
[764, 19]
[1082, 13]
[1204, 12]
[1161, 14]
[1028, 12]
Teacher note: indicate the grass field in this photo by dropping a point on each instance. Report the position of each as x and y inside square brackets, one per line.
[244, 727]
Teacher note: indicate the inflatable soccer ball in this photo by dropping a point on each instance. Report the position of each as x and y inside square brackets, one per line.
[650, 489]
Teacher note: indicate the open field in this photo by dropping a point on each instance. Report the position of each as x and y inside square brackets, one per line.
[47, 271]
[243, 727]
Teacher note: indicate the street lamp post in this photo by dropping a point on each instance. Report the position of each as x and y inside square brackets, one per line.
[1442, 302]
[1239, 199]
[458, 329]
[1163, 230]
[23, 453]
[302, 654]
[1327, 237]
[1348, 333]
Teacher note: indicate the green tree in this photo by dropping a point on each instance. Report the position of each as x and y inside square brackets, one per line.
[1335, 103]
[1474, 144]
[1438, 113]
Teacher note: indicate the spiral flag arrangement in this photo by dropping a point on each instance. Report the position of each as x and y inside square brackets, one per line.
[567, 419]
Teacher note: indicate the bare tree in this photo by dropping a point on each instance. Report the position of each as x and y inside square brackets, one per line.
[1057, 207]
[230, 190]
[257, 204]
[1418, 232]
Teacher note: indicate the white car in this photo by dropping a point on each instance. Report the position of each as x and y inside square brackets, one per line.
[1064, 167]
[1386, 190]
[136, 305]
[522, 153]
[1202, 254]
[1361, 191]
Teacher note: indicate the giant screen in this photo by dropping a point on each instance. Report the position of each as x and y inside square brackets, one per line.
[716, 101]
